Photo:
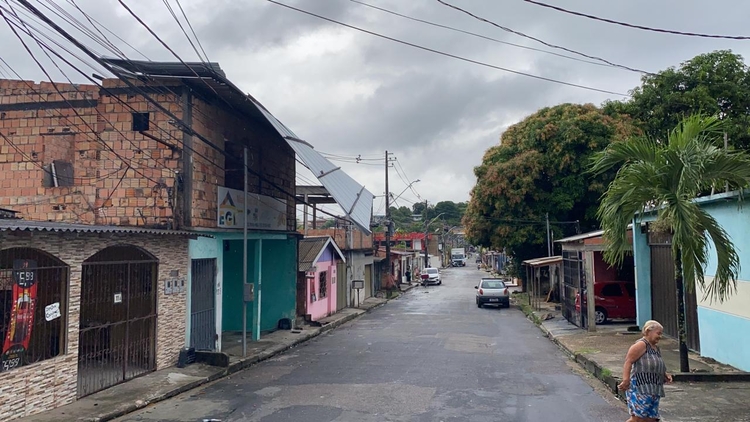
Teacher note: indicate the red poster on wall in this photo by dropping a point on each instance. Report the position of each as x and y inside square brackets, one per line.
[22, 314]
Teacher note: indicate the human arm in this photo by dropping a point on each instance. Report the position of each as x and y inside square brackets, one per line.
[668, 377]
[634, 353]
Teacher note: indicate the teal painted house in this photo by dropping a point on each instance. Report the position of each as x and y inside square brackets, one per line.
[716, 330]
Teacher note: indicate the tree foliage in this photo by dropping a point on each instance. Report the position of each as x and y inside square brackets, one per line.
[667, 177]
[539, 168]
[716, 84]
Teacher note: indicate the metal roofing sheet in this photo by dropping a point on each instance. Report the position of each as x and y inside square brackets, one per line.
[51, 226]
[538, 262]
[354, 199]
[310, 250]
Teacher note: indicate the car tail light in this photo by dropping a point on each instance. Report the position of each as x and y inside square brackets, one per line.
[505, 292]
[481, 292]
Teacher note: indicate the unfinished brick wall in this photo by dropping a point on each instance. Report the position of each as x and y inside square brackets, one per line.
[268, 156]
[121, 177]
[52, 383]
[360, 241]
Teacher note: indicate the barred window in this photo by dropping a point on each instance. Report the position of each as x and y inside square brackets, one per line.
[33, 306]
[323, 283]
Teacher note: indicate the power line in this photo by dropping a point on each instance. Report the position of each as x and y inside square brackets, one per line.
[474, 34]
[192, 30]
[181, 124]
[442, 53]
[641, 27]
[190, 40]
[513, 31]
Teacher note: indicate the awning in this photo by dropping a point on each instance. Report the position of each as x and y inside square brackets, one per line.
[17, 225]
[354, 199]
[541, 262]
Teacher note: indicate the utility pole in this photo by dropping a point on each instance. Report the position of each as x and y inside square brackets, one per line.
[387, 221]
[549, 245]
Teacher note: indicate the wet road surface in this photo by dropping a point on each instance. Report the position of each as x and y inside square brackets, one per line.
[431, 355]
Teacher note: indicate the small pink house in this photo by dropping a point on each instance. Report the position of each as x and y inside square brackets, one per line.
[316, 280]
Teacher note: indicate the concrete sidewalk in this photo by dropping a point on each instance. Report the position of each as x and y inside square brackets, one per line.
[166, 383]
[710, 392]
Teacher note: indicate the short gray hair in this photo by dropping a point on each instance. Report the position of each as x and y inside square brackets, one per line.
[650, 325]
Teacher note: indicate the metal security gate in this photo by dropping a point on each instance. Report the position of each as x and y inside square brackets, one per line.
[203, 304]
[573, 284]
[117, 339]
[663, 292]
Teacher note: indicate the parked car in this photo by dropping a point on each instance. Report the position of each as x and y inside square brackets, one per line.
[492, 291]
[613, 300]
[433, 276]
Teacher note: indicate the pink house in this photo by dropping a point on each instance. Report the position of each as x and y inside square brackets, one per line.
[316, 280]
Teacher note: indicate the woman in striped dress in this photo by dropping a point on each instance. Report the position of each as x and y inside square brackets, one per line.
[644, 375]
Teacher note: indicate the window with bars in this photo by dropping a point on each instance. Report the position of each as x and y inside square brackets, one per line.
[323, 284]
[33, 307]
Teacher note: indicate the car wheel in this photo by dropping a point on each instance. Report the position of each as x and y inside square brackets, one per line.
[479, 304]
[600, 316]
[440, 282]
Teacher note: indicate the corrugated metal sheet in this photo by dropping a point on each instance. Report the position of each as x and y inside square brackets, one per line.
[309, 248]
[209, 79]
[540, 262]
[354, 199]
[50, 226]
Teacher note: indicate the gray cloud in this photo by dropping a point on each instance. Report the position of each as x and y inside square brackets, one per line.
[350, 93]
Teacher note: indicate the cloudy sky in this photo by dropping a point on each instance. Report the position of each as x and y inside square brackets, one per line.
[352, 94]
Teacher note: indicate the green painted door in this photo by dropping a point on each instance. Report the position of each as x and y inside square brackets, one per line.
[341, 285]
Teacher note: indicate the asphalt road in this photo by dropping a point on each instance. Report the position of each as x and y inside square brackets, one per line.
[430, 356]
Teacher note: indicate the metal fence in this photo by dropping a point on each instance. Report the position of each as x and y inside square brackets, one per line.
[118, 318]
[573, 285]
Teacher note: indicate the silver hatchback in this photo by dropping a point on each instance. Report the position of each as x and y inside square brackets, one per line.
[492, 291]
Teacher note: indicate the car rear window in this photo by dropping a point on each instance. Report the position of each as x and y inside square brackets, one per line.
[493, 284]
[432, 271]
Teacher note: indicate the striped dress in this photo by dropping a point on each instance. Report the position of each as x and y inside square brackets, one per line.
[647, 373]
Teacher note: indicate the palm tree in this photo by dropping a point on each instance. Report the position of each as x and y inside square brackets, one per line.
[666, 177]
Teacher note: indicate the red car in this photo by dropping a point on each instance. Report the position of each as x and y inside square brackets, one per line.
[614, 300]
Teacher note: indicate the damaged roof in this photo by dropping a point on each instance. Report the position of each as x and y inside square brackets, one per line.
[311, 249]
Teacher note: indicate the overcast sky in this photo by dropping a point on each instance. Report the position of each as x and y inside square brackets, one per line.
[349, 93]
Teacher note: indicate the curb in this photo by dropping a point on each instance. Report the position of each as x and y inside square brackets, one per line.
[235, 367]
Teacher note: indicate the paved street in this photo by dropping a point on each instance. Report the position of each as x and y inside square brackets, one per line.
[429, 356]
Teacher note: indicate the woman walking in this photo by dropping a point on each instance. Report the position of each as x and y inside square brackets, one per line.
[644, 375]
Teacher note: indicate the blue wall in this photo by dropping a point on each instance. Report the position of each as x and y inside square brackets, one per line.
[642, 260]
[724, 337]
[736, 221]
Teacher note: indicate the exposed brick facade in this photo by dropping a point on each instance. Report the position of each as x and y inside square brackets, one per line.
[359, 240]
[52, 383]
[121, 176]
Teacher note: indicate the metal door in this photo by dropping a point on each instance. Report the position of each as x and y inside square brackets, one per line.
[663, 292]
[203, 304]
[572, 285]
[368, 281]
[117, 337]
[341, 286]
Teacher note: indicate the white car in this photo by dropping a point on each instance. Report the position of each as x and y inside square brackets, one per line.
[431, 276]
[492, 291]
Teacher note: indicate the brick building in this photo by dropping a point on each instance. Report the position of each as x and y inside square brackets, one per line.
[135, 185]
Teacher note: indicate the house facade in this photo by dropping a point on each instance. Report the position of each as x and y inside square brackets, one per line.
[318, 277]
[140, 185]
[357, 248]
[712, 326]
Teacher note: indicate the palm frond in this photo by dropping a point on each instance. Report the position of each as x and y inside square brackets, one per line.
[619, 153]
[724, 283]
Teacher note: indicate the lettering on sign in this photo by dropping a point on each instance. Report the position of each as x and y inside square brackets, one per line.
[52, 311]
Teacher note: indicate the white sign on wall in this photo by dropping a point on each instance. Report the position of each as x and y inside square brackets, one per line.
[264, 212]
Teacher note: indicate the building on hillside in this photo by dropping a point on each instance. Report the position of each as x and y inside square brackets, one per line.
[317, 278]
